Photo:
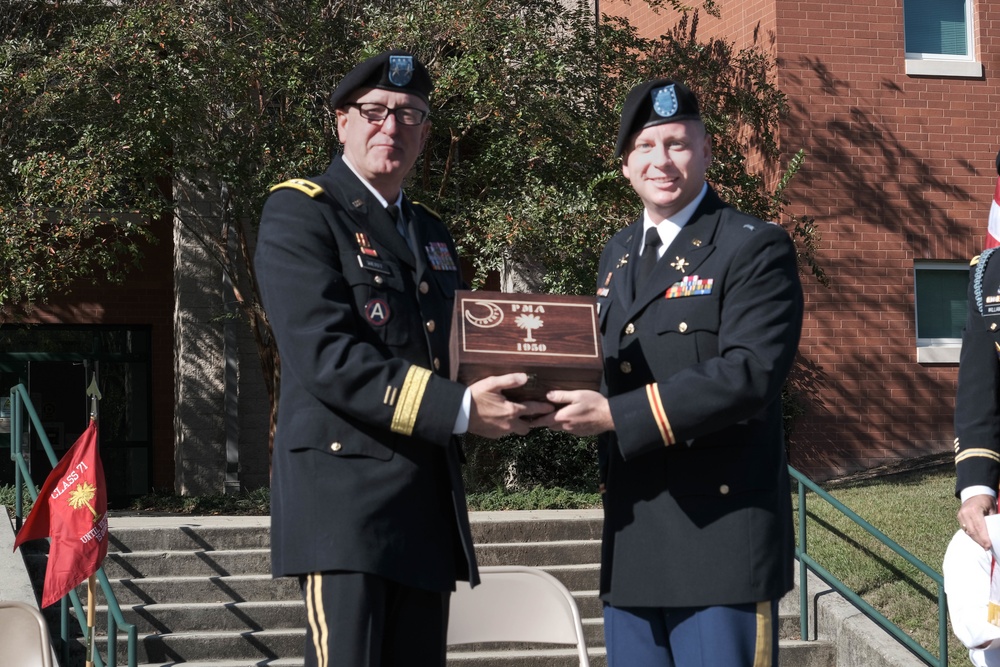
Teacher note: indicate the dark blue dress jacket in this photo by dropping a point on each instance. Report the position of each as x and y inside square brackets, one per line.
[697, 506]
[365, 472]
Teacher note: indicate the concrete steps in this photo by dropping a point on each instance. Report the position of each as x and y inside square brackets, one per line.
[198, 591]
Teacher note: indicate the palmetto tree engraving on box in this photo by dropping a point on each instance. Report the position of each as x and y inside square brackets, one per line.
[552, 337]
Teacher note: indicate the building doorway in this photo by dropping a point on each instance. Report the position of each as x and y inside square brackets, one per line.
[56, 363]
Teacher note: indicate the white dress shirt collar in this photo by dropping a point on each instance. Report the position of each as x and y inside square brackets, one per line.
[399, 197]
[671, 227]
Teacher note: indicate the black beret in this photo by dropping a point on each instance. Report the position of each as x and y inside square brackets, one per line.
[392, 70]
[654, 103]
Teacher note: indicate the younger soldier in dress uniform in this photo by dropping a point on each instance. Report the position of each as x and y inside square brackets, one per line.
[700, 310]
[977, 402]
[367, 504]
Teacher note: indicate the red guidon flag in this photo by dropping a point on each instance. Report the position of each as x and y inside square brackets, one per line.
[72, 509]
[993, 228]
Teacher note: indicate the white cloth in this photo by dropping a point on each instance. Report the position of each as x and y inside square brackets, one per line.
[966, 571]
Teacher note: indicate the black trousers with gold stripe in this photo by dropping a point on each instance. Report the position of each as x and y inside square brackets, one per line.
[355, 619]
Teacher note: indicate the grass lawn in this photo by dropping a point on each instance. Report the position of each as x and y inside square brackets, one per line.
[917, 511]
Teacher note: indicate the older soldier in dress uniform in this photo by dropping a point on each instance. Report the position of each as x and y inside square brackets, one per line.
[700, 309]
[368, 508]
[977, 402]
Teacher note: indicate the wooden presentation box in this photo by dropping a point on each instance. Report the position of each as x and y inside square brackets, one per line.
[553, 338]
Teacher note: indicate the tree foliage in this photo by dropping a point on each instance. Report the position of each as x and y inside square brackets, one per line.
[106, 107]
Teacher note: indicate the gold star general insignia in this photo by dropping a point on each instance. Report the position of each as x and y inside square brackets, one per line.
[680, 264]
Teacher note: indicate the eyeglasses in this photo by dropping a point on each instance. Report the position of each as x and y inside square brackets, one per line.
[375, 112]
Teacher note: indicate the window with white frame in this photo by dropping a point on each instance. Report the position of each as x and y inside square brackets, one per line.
[941, 296]
[939, 38]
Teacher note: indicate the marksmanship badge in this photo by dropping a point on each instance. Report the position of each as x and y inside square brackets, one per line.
[400, 70]
[665, 101]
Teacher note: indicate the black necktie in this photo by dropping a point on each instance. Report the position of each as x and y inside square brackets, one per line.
[393, 212]
[647, 260]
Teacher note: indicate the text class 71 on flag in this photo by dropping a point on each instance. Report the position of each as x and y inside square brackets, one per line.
[72, 509]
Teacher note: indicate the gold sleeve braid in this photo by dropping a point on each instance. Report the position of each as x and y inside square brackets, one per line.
[410, 397]
[659, 414]
[977, 452]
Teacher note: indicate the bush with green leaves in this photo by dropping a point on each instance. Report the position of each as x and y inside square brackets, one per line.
[107, 109]
[543, 458]
[8, 497]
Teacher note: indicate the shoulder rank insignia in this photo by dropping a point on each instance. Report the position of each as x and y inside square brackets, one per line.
[428, 209]
[302, 185]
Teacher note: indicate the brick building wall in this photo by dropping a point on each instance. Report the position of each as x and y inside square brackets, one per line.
[145, 299]
[899, 169]
[208, 431]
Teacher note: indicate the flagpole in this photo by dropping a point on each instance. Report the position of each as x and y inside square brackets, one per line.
[91, 612]
[95, 395]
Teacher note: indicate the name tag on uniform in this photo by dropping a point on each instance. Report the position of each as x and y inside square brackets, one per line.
[375, 265]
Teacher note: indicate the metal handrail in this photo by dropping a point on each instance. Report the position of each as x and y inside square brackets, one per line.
[805, 561]
[19, 400]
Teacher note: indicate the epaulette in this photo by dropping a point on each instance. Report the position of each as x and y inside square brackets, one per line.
[980, 262]
[302, 185]
[428, 209]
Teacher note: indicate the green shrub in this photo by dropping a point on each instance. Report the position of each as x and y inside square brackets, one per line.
[252, 503]
[541, 458]
[534, 499]
[7, 497]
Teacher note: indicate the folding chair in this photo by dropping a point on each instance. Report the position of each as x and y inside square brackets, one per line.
[516, 604]
[24, 636]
